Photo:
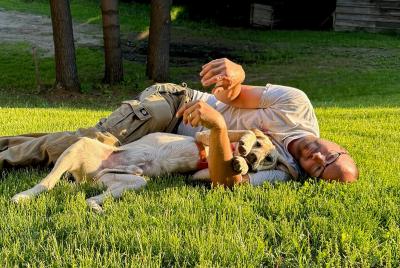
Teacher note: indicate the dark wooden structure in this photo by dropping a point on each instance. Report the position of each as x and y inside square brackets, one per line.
[367, 15]
[261, 15]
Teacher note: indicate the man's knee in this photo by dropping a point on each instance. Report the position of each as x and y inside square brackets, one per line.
[154, 111]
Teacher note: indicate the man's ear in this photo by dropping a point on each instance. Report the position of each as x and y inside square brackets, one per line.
[286, 167]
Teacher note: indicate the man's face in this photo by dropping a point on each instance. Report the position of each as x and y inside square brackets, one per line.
[319, 158]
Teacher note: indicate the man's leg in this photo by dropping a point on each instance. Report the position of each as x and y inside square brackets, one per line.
[45, 150]
[10, 141]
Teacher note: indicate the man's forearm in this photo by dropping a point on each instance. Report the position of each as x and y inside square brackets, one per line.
[220, 158]
[244, 96]
[228, 96]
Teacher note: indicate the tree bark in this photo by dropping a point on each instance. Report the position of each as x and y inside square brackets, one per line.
[64, 48]
[159, 40]
[112, 42]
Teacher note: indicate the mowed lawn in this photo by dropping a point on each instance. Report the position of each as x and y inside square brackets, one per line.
[351, 78]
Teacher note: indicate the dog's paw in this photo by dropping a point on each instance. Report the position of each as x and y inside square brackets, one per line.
[201, 175]
[94, 206]
[18, 198]
[239, 165]
[243, 148]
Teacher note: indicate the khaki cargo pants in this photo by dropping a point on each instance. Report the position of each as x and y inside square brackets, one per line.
[153, 111]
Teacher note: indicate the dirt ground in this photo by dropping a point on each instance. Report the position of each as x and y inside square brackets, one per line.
[37, 30]
[184, 50]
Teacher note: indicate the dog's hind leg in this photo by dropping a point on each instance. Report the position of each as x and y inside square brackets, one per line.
[62, 165]
[70, 160]
[116, 184]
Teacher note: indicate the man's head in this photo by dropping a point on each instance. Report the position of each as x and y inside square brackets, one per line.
[324, 159]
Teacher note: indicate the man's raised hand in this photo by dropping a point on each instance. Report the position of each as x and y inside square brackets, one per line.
[223, 74]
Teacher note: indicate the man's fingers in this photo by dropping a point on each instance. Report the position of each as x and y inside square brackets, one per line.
[194, 119]
[216, 79]
[216, 61]
[184, 107]
[220, 70]
[187, 111]
[206, 69]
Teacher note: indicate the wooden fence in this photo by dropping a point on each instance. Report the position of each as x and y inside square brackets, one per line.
[367, 15]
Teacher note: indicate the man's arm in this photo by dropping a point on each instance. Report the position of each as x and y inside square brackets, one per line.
[248, 98]
[227, 77]
[220, 154]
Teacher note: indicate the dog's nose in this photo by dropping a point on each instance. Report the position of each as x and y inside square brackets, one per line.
[252, 158]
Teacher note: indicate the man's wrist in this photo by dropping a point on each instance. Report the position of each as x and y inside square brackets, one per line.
[219, 128]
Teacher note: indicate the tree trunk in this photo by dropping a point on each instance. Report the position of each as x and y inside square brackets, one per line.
[159, 39]
[64, 48]
[112, 43]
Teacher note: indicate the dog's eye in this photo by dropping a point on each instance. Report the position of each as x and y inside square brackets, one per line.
[258, 144]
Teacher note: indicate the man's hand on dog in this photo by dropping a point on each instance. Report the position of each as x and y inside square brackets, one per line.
[198, 113]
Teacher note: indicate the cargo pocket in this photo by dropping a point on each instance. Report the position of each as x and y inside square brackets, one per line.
[118, 115]
[128, 117]
[134, 119]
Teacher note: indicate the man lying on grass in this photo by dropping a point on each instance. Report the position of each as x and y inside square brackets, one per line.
[285, 114]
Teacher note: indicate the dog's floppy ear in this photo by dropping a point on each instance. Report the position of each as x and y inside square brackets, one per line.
[258, 132]
[286, 167]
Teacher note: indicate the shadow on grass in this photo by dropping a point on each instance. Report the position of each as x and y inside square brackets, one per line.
[110, 102]
[23, 178]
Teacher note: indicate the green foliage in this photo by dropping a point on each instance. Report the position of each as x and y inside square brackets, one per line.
[352, 80]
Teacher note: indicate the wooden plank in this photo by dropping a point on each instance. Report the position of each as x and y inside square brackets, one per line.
[386, 6]
[394, 3]
[356, 2]
[262, 7]
[362, 17]
[366, 10]
[357, 10]
[379, 24]
[355, 23]
[344, 28]
[260, 15]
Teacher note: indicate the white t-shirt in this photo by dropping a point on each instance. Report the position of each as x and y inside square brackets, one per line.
[284, 114]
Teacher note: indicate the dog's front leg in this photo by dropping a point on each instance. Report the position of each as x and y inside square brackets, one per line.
[239, 165]
[116, 184]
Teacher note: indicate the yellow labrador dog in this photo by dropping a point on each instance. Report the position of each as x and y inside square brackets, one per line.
[122, 168]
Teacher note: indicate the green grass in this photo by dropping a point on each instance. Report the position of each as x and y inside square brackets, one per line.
[352, 80]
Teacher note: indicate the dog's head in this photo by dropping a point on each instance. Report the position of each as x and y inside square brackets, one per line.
[263, 155]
